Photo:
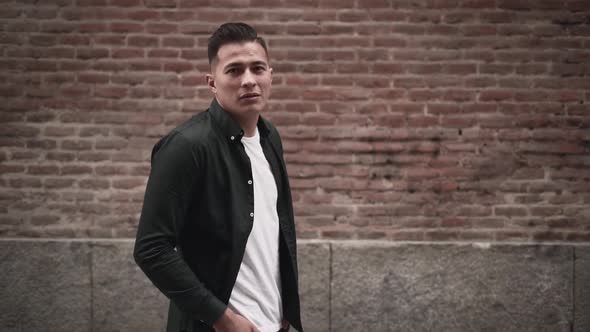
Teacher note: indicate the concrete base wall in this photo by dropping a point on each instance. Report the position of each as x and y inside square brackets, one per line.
[94, 285]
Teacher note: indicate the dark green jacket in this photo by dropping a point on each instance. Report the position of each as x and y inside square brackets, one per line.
[197, 215]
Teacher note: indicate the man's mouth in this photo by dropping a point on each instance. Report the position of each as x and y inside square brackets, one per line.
[249, 95]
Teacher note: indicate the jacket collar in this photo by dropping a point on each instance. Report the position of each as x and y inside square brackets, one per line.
[229, 127]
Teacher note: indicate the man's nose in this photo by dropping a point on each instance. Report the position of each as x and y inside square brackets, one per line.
[248, 79]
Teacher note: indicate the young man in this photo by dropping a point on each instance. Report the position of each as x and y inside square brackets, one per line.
[216, 233]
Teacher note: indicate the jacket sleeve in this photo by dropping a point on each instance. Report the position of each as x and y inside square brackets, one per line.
[173, 176]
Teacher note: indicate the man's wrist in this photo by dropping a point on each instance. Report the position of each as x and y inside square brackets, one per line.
[225, 318]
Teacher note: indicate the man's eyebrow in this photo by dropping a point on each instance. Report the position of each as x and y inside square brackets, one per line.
[259, 62]
[233, 64]
[241, 64]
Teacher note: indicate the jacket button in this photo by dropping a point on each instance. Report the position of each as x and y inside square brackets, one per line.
[249, 181]
[251, 214]
[232, 138]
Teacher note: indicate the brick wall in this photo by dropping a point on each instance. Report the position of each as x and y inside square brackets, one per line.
[402, 120]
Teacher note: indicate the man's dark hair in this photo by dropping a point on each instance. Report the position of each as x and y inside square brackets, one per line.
[232, 33]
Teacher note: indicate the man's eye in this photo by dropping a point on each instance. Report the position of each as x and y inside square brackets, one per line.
[232, 71]
[259, 68]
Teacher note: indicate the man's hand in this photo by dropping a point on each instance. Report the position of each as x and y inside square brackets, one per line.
[285, 325]
[232, 322]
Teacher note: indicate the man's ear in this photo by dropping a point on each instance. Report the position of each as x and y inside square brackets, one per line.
[211, 83]
[270, 70]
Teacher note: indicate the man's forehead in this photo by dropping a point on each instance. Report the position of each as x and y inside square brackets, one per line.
[241, 52]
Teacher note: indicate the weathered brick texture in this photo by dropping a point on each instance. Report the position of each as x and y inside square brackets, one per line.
[446, 120]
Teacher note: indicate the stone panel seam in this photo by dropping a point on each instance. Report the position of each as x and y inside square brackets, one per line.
[330, 288]
[91, 267]
[574, 281]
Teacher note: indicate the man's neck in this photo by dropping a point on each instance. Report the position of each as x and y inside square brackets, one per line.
[249, 125]
[248, 122]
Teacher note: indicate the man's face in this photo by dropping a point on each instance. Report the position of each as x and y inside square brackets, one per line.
[241, 78]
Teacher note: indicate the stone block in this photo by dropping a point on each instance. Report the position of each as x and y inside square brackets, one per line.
[45, 286]
[314, 282]
[404, 287]
[123, 297]
[582, 289]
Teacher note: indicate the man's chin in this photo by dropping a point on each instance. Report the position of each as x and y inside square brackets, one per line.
[253, 107]
[246, 110]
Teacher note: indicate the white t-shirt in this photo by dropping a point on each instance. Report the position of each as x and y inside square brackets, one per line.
[257, 292]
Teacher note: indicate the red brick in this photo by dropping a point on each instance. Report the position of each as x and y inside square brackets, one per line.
[178, 42]
[548, 236]
[389, 42]
[129, 183]
[113, 40]
[458, 122]
[510, 211]
[91, 3]
[578, 236]
[76, 170]
[142, 41]
[93, 78]
[57, 27]
[163, 53]
[121, 27]
[388, 68]
[529, 173]
[145, 92]
[22, 182]
[390, 120]
[423, 95]
[161, 3]
[111, 92]
[44, 220]
[367, 29]
[6, 169]
[11, 13]
[124, 53]
[19, 131]
[479, 4]
[161, 28]
[93, 208]
[510, 235]
[420, 174]
[498, 69]
[111, 170]
[60, 156]
[129, 156]
[58, 183]
[143, 170]
[443, 108]
[39, 66]
[459, 69]
[404, 235]
[76, 145]
[193, 3]
[178, 66]
[336, 234]
[10, 91]
[192, 54]
[92, 28]
[495, 95]
[560, 148]
[440, 235]
[125, 3]
[303, 29]
[91, 53]
[43, 169]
